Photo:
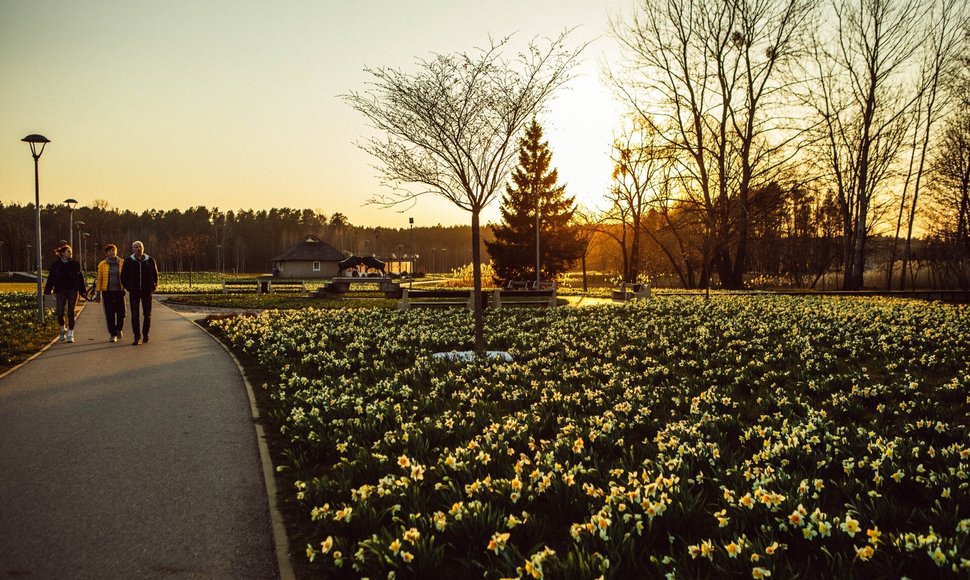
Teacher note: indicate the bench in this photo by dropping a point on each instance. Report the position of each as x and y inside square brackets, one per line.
[438, 298]
[504, 298]
[631, 292]
[240, 286]
[273, 286]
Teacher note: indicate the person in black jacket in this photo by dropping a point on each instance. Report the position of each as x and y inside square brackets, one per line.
[65, 278]
[139, 276]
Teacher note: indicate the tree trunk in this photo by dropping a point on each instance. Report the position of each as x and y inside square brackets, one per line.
[585, 280]
[741, 254]
[477, 314]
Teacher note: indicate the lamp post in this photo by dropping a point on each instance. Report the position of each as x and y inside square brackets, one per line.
[1, 256]
[219, 258]
[71, 204]
[28, 257]
[82, 240]
[35, 140]
[538, 276]
[78, 225]
[411, 253]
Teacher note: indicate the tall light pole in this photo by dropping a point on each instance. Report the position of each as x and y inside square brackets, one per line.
[1, 256]
[411, 253]
[78, 225]
[35, 140]
[71, 203]
[82, 240]
[538, 275]
[29, 247]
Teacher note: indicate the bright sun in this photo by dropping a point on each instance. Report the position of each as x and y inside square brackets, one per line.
[579, 126]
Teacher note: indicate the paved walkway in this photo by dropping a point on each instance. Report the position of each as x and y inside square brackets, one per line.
[121, 461]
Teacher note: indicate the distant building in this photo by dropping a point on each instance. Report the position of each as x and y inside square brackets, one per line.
[311, 258]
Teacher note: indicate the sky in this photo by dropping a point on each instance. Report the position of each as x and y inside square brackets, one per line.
[236, 104]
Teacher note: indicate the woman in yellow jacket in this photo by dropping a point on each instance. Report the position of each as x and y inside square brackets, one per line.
[110, 292]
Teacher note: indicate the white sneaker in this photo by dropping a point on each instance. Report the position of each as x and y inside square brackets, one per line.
[70, 336]
[112, 338]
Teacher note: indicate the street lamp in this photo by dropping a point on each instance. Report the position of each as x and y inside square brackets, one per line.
[78, 225]
[538, 276]
[411, 253]
[82, 240]
[219, 257]
[71, 203]
[29, 247]
[35, 140]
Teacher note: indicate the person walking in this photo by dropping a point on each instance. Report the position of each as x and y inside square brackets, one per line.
[110, 292]
[66, 280]
[139, 276]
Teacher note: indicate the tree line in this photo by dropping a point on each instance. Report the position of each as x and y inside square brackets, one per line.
[202, 238]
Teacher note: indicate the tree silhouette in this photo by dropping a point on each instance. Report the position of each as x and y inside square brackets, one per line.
[449, 126]
[534, 196]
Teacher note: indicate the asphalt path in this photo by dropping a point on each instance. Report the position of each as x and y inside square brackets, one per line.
[121, 461]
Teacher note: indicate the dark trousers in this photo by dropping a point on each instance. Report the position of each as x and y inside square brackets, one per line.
[140, 325]
[66, 302]
[114, 310]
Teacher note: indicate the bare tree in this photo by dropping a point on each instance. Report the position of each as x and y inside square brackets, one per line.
[713, 75]
[586, 223]
[947, 36]
[951, 195]
[639, 155]
[451, 125]
[864, 100]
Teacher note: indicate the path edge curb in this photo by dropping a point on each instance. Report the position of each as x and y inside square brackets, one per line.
[281, 540]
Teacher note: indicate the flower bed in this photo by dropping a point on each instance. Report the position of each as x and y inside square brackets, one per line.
[20, 333]
[737, 436]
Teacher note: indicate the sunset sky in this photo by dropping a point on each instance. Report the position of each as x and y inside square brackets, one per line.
[236, 105]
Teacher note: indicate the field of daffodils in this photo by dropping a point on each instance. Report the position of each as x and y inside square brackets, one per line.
[676, 437]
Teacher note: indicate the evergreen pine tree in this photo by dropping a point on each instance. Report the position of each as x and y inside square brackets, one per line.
[513, 251]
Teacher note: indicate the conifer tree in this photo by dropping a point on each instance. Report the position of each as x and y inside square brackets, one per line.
[513, 251]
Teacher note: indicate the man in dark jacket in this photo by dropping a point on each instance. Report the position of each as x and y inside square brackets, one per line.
[139, 276]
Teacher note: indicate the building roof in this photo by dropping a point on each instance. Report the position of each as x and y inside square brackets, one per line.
[311, 248]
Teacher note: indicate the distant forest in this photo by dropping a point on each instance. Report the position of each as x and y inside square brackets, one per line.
[245, 241]
[204, 238]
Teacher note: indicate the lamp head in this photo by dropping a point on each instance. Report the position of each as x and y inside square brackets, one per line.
[71, 202]
[34, 140]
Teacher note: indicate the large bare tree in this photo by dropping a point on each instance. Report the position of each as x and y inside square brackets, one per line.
[450, 126]
[940, 84]
[713, 75]
[951, 189]
[865, 97]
